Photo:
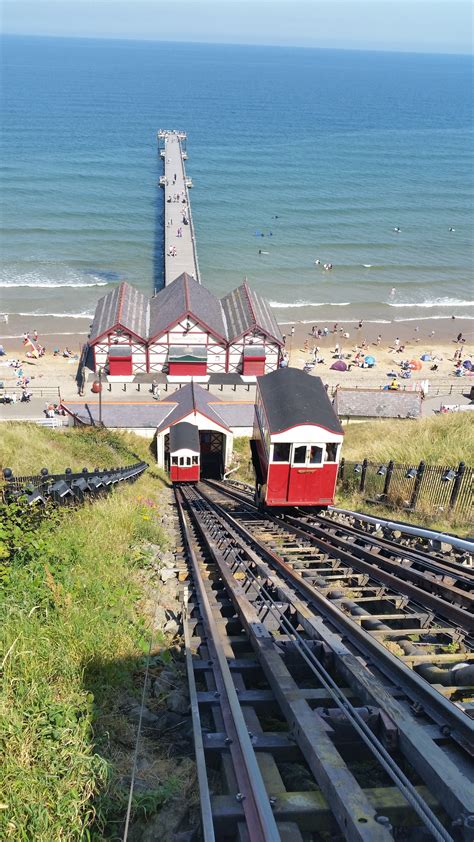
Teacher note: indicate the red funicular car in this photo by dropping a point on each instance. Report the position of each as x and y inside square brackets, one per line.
[297, 441]
[184, 452]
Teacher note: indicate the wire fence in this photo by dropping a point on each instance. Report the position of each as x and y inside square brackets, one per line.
[428, 488]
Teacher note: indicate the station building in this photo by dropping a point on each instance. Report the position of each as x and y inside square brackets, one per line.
[184, 332]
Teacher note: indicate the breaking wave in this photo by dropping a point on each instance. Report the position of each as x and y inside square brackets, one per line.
[434, 302]
[50, 284]
[285, 305]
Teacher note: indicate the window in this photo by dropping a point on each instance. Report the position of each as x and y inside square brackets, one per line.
[315, 454]
[331, 452]
[188, 460]
[181, 461]
[299, 454]
[195, 460]
[281, 452]
[174, 460]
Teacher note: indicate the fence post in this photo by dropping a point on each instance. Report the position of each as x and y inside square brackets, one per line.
[388, 478]
[362, 475]
[416, 488]
[457, 485]
[341, 469]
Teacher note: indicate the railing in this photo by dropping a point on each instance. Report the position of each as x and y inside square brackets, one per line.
[432, 488]
[190, 214]
[68, 487]
[457, 386]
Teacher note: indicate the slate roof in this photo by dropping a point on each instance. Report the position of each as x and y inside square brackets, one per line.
[245, 309]
[375, 403]
[184, 436]
[292, 397]
[125, 306]
[193, 398]
[122, 414]
[185, 295]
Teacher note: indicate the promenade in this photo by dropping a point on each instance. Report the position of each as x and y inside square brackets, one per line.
[180, 244]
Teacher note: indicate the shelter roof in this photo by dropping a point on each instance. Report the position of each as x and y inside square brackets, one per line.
[185, 295]
[184, 436]
[192, 399]
[121, 414]
[125, 306]
[291, 397]
[375, 403]
[245, 309]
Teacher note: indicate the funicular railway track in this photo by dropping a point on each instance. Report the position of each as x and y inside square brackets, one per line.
[306, 725]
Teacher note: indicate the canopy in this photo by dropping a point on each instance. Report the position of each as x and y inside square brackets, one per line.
[339, 365]
[415, 365]
[370, 360]
[426, 357]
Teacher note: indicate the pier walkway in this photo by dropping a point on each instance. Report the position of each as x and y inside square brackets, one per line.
[180, 244]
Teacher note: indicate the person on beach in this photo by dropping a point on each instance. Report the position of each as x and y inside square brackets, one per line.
[334, 330]
[379, 339]
[459, 338]
[397, 343]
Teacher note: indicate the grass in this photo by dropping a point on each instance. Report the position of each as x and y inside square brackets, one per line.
[441, 440]
[73, 638]
[26, 448]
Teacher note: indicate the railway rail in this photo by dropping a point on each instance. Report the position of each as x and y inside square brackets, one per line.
[291, 679]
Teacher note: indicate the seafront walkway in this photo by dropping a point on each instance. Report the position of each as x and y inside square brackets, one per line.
[180, 244]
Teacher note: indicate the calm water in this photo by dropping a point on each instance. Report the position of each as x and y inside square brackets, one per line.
[340, 146]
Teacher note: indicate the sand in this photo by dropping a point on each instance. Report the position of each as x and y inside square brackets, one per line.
[53, 372]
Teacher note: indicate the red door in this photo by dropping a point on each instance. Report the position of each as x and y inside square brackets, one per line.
[119, 366]
[253, 366]
[187, 369]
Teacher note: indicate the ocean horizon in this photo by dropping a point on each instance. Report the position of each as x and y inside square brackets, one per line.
[296, 154]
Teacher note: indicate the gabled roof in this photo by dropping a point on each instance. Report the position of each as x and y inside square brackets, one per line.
[185, 295]
[245, 309]
[291, 398]
[193, 398]
[125, 306]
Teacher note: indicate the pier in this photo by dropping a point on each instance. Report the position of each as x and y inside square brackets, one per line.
[179, 240]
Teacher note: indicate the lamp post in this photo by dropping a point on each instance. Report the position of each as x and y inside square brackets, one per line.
[100, 395]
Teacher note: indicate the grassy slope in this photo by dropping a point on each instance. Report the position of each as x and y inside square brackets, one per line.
[72, 635]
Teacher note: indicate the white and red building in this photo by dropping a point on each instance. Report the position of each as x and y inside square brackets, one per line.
[185, 332]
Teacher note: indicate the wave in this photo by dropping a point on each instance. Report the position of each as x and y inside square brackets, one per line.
[50, 284]
[285, 305]
[433, 318]
[434, 302]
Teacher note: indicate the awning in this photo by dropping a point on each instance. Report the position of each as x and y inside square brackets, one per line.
[188, 353]
[254, 352]
[123, 351]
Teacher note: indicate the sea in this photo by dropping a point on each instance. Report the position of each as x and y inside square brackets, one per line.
[303, 154]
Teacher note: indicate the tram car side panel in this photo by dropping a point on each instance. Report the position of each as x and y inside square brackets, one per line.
[297, 441]
[184, 453]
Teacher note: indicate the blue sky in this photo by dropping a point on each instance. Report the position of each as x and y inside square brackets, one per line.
[419, 25]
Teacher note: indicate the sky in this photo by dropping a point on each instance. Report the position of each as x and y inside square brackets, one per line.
[408, 25]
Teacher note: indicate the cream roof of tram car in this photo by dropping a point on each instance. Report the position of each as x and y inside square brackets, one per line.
[297, 407]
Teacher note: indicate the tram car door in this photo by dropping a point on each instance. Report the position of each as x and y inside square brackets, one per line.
[184, 452]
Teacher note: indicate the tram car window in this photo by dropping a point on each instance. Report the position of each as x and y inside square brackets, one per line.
[184, 453]
[296, 441]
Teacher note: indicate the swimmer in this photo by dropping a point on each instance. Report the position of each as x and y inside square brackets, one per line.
[452, 229]
[317, 263]
[397, 229]
[393, 291]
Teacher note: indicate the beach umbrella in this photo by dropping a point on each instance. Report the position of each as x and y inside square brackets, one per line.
[415, 365]
[370, 360]
[468, 364]
[425, 357]
[339, 365]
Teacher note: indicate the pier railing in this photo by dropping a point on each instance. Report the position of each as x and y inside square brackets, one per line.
[423, 488]
[187, 183]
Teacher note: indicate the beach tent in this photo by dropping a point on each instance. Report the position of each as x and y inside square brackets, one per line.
[415, 365]
[339, 365]
[370, 361]
[468, 364]
[425, 357]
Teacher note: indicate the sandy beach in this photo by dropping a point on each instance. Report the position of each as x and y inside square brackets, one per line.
[56, 371]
